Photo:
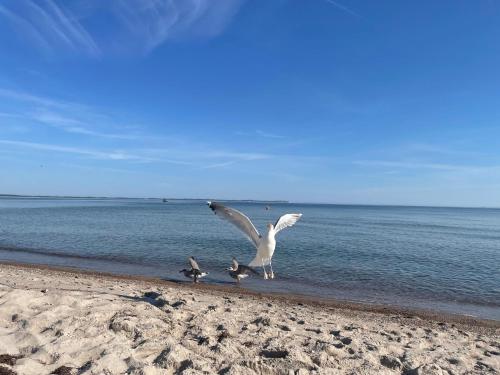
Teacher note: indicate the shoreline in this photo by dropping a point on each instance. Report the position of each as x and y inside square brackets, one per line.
[103, 265]
[327, 303]
[69, 321]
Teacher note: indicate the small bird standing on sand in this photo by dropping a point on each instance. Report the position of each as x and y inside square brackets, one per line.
[194, 273]
[266, 244]
[239, 271]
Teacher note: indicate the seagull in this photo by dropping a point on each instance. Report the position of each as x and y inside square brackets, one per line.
[266, 244]
[239, 271]
[194, 273]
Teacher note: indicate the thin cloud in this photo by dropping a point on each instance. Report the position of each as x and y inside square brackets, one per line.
[114, 155]
[193, 159]
[25, 97]
[51, 27]
[75, 118]
[432, 166]
[442, 150]
[269, 135]
[198, 156]
[202, 152]
[220, 165]
[98, 167]
[260, 133]
[67, 116]
[25, 27]
[236, 155]
[11, 115]
[83, 120]
[133, 26]
[408, 165]
[71, 125]
[343, 8]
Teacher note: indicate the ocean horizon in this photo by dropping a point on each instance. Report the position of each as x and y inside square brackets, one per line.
[168, 199]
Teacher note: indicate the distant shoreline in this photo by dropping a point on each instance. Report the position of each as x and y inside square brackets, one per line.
[239, 200]
[138, 198]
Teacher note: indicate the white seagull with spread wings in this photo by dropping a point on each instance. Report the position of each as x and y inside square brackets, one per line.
[265, 245]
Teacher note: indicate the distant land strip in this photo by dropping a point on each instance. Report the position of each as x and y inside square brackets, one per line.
[146, 198]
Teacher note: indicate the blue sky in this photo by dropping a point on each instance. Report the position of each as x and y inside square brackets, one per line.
[379, 102]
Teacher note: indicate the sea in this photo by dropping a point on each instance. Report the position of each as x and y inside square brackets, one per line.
[431, 258]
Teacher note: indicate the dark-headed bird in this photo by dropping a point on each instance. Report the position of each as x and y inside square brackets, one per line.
[239, 271]
[195, 272]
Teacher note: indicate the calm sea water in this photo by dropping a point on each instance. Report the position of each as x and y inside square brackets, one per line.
[444, 259]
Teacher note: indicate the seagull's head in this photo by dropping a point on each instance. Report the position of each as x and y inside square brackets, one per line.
[270, 226]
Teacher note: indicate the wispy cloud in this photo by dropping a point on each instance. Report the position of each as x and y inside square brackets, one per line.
[67, 116]
[34, 99]
[25, 27]
[72, 125]
[134, 25]
[269, 135]
[427, 165]
[11, 115]
[343, 8]
[113, 155]
[200, 156]
[219, 165]
[51, 26]
[153, 22]
[403, 164]
[260, 133]
[196, 158]
[84, 122]
[236, 155]
[437, 149]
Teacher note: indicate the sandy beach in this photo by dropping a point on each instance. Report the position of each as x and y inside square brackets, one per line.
[72, 322]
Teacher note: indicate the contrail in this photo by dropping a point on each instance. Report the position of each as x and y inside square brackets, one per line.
[344, 8]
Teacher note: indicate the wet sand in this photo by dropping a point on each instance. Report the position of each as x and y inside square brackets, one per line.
[72, 321]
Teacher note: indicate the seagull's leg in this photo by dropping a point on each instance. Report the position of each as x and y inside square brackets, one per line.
[264, 268]
[271, 266]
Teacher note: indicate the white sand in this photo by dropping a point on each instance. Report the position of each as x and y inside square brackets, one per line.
[104, 325]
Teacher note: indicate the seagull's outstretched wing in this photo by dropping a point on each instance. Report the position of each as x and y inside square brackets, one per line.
[235, 217]
[235, 264]
[193, 263]
[285, 221]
